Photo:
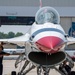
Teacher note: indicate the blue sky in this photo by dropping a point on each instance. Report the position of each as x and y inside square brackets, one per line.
[13, 28]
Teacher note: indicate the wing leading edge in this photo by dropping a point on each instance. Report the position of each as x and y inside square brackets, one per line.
[70, 40]
[20, 41]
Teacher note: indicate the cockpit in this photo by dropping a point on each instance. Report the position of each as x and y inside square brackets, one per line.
[47, 14]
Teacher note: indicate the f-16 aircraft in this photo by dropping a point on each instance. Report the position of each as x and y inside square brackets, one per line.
[44, 43]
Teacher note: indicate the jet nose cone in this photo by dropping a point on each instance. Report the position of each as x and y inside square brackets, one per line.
[49, 44]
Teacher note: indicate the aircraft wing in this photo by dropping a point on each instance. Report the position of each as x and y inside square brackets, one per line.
[17, 40]
[70, 40]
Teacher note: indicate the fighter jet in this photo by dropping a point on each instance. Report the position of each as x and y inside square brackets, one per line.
[44, 43]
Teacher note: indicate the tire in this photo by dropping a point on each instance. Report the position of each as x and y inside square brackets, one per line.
[13, 73]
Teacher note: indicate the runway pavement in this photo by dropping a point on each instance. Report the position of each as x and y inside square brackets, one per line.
[9, 67]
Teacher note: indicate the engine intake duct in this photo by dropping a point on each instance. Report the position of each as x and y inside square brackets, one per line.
[45, 59]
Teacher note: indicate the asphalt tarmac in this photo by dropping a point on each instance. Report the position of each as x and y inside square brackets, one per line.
[8, 67]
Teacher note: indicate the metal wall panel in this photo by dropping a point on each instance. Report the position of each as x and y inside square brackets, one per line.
[73, 19]
[56, 3]
[66, 23]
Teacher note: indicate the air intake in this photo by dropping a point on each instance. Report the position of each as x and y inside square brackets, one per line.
[47, 59]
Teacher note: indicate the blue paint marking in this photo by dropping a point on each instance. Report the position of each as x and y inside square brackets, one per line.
[46, 29]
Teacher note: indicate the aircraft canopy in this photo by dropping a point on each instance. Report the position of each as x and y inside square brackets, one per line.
[47, 14]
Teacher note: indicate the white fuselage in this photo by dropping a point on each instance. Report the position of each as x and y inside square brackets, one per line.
[48, 37]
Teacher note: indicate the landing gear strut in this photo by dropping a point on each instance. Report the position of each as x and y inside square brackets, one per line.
[44, 70]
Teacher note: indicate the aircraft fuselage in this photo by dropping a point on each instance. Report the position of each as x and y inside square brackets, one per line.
[48, 37]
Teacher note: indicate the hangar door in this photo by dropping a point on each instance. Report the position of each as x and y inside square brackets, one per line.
[16, 20]
[66, 23]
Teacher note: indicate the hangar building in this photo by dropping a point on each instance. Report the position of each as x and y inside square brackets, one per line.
[26, 10]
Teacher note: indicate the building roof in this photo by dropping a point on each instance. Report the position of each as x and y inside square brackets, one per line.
[31, 11]
[66, 11]
[36, 3]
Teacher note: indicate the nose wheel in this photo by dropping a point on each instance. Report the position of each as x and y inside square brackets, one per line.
[44, 70]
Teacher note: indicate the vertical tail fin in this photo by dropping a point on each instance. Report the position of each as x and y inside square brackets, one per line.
[40, 3]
